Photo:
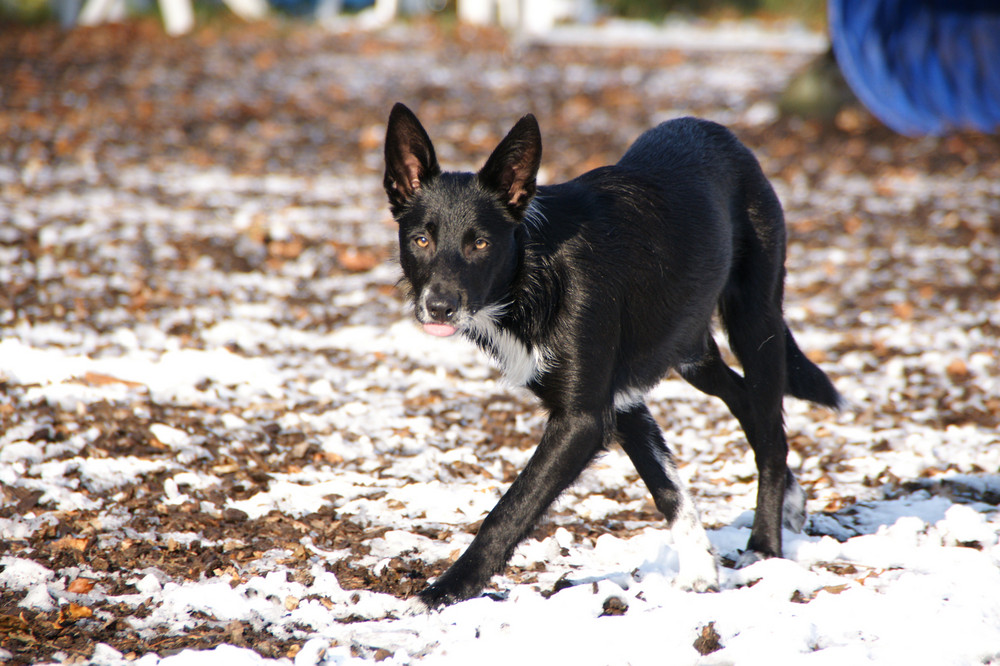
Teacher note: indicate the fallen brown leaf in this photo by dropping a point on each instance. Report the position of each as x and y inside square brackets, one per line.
[957, 369]
[709, 640]
[101, 379]
[356, 260]
[80, 586]
[71, 543]
[78, 612]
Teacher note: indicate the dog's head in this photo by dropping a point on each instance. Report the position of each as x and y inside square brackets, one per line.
[457, 241]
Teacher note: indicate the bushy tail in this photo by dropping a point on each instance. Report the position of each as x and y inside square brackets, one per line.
[805, 380]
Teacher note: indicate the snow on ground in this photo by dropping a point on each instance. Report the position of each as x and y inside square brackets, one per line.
[218, 415]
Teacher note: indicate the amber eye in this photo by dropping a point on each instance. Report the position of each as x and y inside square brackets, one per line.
[482, 244]
[421, 241]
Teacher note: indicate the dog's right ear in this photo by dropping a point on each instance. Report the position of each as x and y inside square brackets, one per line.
[409, 157]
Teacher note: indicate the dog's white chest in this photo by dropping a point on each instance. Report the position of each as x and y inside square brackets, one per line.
[519, 364]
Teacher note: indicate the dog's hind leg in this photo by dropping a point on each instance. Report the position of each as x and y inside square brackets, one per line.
[642, 440]
[751, 311]
[710, 374]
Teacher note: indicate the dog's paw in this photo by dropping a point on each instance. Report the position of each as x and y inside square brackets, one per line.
[698, 583]
[748, 557]
[698, 572]
[415, 606]
[446, 592]
[437, 596]
[793, 510]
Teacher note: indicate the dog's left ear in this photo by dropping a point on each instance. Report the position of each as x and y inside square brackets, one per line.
[512, 168]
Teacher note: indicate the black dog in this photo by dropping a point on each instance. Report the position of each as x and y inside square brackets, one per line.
[589, 292]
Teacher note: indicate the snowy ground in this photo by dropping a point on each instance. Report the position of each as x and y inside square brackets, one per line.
[224, 441]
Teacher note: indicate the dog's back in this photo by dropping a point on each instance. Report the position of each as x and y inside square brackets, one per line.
[702, 167]
[651, 243]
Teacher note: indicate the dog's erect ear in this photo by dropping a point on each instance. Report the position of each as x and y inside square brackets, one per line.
[409, 157]
[513, 166]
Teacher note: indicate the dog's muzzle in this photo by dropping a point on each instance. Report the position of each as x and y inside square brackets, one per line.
[440, 312]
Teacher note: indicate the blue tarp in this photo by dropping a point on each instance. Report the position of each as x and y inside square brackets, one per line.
[922, 66]
[303, 7]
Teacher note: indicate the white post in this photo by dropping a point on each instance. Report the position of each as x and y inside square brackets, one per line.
[248, 10]
[477, 12]
[178, 16]
[95, 12]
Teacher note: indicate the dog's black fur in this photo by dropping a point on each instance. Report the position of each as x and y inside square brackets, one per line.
[590, 292]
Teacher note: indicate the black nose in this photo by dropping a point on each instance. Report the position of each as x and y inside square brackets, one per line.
[441, 308]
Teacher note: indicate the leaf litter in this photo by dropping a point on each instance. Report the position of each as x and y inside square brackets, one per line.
[222, 433]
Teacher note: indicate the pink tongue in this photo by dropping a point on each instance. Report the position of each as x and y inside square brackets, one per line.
[440, 330]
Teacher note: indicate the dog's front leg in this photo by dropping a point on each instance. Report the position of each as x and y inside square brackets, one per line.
[569, 443]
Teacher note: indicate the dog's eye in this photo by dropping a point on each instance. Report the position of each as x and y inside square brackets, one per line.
[481, 244]
[421, 241]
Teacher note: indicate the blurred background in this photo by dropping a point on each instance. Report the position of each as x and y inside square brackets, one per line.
[203, 180]
[69, 11]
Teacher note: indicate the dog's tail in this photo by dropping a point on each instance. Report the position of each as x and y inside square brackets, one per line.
[805, 380]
